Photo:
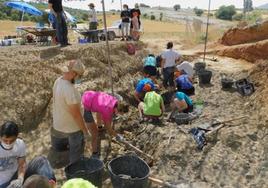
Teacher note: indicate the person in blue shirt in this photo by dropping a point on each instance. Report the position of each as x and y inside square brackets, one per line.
[144, 85]
[184, 83]
[149, 65]
[182, 103]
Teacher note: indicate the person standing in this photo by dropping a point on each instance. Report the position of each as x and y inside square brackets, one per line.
[93, 22]
[169, 58]
[67, 113]
[125, 16]
[135, 25]
[56, 9]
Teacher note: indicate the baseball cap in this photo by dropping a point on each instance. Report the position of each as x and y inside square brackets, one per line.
[76, 66]
[147, 87]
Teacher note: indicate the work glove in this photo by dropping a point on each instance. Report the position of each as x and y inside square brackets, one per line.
[17, 183]
[119, 138]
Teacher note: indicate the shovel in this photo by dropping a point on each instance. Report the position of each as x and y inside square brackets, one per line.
[163, 183]
[127, 144]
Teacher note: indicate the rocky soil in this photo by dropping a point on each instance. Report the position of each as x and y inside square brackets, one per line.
[236, 155]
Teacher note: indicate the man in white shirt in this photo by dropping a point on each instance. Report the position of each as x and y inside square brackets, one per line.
[67, 117]
[169, 59]
[187, 68]
[93, 22]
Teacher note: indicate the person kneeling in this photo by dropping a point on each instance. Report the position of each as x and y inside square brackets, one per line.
[152, 107]
[184, 83]
[182, 103]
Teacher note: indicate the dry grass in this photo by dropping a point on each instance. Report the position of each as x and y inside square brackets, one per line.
[9, 27]
[153, 30]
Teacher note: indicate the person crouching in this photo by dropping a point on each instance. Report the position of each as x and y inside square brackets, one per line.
[184, 83]
[152, 108]
[182, 103]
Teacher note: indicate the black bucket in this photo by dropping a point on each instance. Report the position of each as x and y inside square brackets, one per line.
[58, 159]
[90, 169]
[204, 77]
[241, 83]
[246, 90]
[199, 67]
[129, 172]
[182, 118]
[244, 87]
[227, 83]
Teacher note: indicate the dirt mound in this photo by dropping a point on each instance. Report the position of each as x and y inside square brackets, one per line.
[260, 78]
[27, 76]
[244, 35]
[250, 52]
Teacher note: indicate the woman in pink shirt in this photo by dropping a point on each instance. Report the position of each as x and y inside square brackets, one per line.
[105, 106]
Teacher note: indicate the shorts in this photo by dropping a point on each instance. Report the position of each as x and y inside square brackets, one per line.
[151, 70]
[188, 92]
[88, 117]
[189, 109]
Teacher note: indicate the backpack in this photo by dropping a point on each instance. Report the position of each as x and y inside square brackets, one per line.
[131, 49]
[158, 61]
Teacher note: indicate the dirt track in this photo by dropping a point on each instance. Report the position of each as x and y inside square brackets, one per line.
[237, 156]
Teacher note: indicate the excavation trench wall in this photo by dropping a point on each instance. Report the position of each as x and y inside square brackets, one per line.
[28, 73]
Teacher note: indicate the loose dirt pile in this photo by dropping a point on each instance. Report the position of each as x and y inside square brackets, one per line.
[251, 52]
[260, 77]
[236, 156]
[253, 33]
[248, 43]
[27, 76]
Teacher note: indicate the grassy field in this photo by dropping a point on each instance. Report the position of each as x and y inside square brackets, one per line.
[9, 27]
[152, 30]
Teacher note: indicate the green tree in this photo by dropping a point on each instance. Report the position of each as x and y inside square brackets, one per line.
[145, 15]
[225, 12]
[152, 17]
[177, 7]
[161, 16]
[198, 12]
[85, 17]
[248, 5]
[3, 16]
[15, 17]
[26, 17]
[238, 17]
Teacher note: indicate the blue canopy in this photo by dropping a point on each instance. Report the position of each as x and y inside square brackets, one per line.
[24, 7]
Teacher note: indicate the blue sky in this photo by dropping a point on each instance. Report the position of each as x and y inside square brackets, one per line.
[168, 3]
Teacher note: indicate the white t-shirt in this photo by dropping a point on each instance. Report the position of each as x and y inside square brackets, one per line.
[64, 94]
[9, 160]
[187, 67]
[92, 15]
[170, 56]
